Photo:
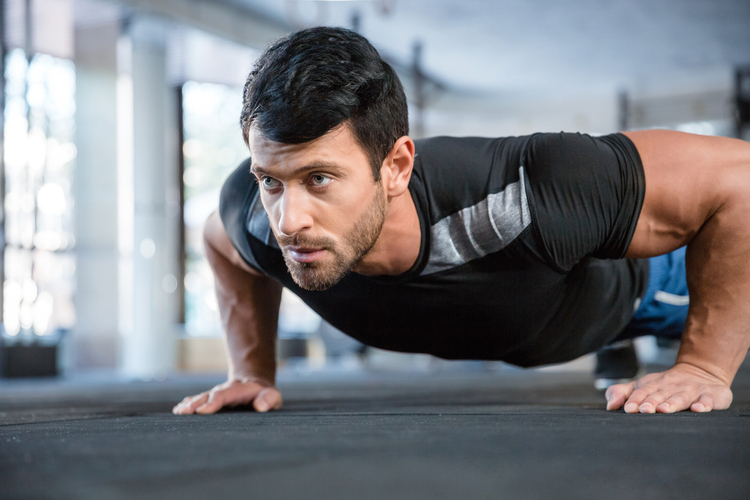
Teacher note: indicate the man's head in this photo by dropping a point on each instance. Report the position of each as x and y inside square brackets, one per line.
[325, 210]
[314, 80]
[326, 122]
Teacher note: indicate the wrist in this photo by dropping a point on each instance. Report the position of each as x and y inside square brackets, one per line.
[701, 368]
[265, 375]
[256, 361]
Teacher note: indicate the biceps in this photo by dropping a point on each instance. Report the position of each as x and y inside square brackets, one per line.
[688, 178]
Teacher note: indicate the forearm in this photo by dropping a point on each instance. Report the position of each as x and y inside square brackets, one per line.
[248, 305]
[717, 332]
[244, 303]
[250, 319]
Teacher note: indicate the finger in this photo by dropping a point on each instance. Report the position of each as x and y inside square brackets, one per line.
[650, 404]
[676, 402]
[188, 405]
[704, 404]
[636, 399]
[234, 395]
[214, 403]
[179, 406]
[267, 399]
[617, 394]
[722, 398]
[177, 410]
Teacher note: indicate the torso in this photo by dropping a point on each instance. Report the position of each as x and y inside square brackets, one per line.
[496, 277]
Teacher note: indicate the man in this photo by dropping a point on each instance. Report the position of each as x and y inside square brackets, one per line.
[526, 249]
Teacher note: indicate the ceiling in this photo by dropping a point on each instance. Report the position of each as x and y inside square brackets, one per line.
[522, 46]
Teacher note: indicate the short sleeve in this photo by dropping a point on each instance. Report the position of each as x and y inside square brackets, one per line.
[585, 195]
[237, 194]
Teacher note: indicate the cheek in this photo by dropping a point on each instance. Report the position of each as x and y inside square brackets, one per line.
[329, 216]
[340, 212]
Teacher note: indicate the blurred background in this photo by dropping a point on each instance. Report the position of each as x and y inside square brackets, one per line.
[120, 124]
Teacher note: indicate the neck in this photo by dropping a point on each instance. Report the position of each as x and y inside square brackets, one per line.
[397, 248]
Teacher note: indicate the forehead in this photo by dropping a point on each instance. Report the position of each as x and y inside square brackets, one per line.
[337, 147]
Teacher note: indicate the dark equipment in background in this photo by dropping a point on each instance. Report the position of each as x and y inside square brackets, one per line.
[25, 356]
[30, 360]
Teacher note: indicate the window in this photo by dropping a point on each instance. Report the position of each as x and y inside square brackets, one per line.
[39, 157]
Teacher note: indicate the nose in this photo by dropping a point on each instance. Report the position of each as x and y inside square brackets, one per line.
[295, 214]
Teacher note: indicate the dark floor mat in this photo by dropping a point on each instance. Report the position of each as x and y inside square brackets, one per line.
[444, 435]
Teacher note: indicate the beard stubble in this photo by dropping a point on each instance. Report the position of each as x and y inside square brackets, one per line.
[322, 275]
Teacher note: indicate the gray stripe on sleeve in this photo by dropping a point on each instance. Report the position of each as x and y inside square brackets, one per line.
[479, 230]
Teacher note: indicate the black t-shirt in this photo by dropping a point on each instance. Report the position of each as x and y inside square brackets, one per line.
[515, 263]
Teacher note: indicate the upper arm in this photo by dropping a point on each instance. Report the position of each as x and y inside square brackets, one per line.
[227, 228]
[249, 288]
[584, 193]
[688, 178]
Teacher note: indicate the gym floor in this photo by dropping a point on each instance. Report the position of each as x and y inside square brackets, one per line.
[471, 433]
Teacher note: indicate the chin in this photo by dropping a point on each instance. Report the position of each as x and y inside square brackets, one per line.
[314, 279]
[314, 284]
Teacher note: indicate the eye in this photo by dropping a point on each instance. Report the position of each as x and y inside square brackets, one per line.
[269, 183]
[319, 180]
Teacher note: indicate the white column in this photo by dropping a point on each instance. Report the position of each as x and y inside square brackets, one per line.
[94, 341]
[148, 215]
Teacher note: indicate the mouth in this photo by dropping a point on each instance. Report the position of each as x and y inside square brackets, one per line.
[305, 255]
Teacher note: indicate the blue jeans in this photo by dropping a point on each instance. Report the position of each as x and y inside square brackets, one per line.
[664, 308]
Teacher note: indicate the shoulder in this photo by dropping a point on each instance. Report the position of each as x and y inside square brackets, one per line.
[242, 213]
[239, 184]
[459, 172]
[584, 195]
[477, 202]
[573, 148]
[236, 193]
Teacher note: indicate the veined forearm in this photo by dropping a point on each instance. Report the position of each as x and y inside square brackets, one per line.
[248, 305]
[717, 332]
[250, 321]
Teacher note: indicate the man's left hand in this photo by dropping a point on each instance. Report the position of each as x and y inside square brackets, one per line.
[681, 387]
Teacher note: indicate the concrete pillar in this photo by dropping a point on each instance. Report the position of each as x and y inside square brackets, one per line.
[94, 341]
[149, 333]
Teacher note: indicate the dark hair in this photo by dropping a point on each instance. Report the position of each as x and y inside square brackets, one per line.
[312, 81]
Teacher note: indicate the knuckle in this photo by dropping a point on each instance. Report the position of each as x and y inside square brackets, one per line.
[215, 396]
[197, 400]
[618, 389]
[640, 394]
[678, 400]
[663, 394]
[706, 398]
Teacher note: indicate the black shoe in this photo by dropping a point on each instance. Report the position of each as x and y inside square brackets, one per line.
[616, 364]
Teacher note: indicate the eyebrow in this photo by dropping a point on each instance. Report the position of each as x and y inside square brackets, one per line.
[316, 165]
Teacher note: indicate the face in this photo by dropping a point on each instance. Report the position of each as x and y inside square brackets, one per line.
[325, 208]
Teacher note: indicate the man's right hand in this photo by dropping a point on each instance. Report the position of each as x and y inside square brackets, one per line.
[235, 392]
[249, 310]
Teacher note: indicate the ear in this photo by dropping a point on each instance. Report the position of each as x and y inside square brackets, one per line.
[397, 167]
